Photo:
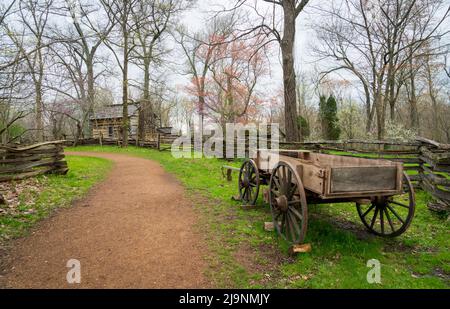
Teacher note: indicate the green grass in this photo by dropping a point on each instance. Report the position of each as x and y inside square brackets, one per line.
[58, 191]
[243, 255]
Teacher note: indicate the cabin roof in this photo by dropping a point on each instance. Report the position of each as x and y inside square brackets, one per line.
[164, 130]
[113, 112]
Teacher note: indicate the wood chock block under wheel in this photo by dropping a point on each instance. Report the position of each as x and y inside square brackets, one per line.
[301, 248]
[269, 226]
[248, 207]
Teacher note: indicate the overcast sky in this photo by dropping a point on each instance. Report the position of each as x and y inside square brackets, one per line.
[195, 19]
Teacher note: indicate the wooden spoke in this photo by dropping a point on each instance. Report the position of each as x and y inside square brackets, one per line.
[384, 206]
[295, 212]
[368, 210]
[374, 218]
[287, 197]
[277, 183]
[249, 182]
[283, 222]
[395, 214]
[291, 222]
[295, 225]
[276, 192]
[294, 202]
[388, 217]
[292, 190]
[399, 204]
[278, 216]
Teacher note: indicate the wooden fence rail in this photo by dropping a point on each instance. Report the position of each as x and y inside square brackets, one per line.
[18, 163]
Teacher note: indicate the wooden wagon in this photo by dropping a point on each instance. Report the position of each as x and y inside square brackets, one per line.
[382, 192]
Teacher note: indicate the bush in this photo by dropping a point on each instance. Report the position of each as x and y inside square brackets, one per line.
[303, 125]
[329, 119]
[396, 131]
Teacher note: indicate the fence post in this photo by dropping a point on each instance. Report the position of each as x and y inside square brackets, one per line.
[158, 142]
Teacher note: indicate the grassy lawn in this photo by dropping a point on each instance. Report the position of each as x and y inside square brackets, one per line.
[245, 256]
[38, 197]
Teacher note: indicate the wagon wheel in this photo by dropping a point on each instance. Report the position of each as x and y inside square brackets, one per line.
[249, 182]
[390, 216]
[288, 203]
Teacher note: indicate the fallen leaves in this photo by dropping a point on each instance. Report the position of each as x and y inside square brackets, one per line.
[19, 197]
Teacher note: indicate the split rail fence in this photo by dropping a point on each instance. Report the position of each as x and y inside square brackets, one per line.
[18, 163]
[426, 161]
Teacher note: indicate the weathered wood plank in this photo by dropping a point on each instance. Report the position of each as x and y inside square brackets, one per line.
[10, 149]
[360, 179]
[433, 143]
[18, 163]
[18, 168]
[23, 159]
[435, 191]
[437, 179]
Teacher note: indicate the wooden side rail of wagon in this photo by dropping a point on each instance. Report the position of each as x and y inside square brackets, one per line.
[382, 192]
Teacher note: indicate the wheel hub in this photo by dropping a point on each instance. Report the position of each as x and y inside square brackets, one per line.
[282, 203]
[381, 202]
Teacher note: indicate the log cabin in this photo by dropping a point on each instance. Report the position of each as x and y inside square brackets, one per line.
[106, 122]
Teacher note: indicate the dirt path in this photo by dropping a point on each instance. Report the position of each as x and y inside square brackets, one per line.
[134, 230]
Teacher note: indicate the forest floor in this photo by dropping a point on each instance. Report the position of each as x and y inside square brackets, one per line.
[238, 253]
[134, 230]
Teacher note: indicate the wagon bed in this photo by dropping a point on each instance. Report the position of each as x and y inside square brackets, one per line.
[332, 176]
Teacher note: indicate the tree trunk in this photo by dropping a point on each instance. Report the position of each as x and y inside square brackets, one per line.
[392, 112]
[380, 111]
[369, 108]
[38, 88]
[434, 109]
[287, 51]
[39, 112]
[434, 103]
[392, 98]
[414, 113]
[90, 93]
[145, 103]
[125, 120]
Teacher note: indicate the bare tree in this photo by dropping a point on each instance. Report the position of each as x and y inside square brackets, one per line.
[230, 87]
[375, 41]
[34, 17]
[198, 49]
[155, 18]
[291, 11]
[91, 33]
[120, 13]
[267, 25]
